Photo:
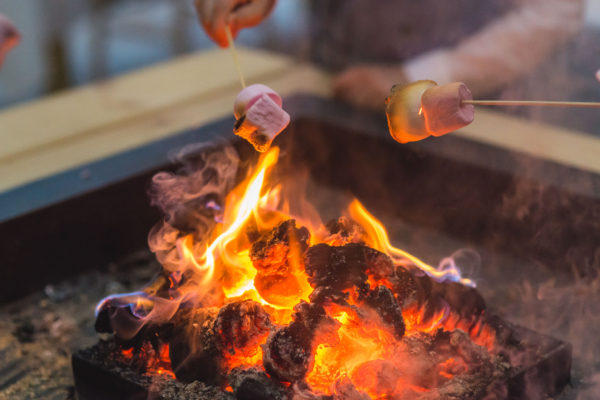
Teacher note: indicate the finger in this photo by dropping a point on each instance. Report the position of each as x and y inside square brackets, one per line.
[9, 35]
[250, 14]
[213, 15]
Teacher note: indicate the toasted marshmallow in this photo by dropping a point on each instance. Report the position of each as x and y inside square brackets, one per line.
[259, 115]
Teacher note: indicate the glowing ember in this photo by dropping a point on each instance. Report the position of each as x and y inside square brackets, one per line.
[336, 306]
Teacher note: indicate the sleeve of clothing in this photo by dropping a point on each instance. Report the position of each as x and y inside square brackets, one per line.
[504, 50]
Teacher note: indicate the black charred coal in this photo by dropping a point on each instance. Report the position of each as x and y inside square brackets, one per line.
[264, 252]
[193, 350]
[382, 300]
[240, 325]
[420, 290]
[458, 343]
[326, 294]
[254, 384]
[404, 286]
[288, 353]
[463, 300]
[343, 267]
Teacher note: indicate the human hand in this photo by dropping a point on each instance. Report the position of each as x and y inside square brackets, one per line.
[217, 15]
[367, 86]
[9, 36]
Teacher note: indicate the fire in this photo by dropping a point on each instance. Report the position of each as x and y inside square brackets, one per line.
[357, 344]
[361, 348]
[377, 238]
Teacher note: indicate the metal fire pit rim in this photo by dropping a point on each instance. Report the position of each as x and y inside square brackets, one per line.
[541, 373]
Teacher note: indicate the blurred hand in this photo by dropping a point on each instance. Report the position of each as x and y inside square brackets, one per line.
[9, 36]
[216, 15]
[367, 86]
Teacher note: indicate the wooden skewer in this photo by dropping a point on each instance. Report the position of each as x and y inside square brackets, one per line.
[234, 53]
[532, 103]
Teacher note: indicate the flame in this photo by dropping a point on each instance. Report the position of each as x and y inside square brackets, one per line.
[358, 343]
[235, 219]
[377, 238]
[225, 262]
[415, 320]
[362, 340]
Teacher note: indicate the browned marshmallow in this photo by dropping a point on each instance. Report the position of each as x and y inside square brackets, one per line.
[406, 121]
[259, 115]
[420, 109]
[444, 110]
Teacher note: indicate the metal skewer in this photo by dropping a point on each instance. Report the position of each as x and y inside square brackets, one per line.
[234, 53]
[533, 103]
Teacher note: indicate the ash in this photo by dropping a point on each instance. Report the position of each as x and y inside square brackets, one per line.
[39, 333]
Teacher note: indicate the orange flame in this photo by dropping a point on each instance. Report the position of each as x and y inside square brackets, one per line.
[224, 264]
[377, 238]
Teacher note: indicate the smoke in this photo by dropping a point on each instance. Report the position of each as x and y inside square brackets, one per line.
[466, 261]
[192, 199]
[558, 290]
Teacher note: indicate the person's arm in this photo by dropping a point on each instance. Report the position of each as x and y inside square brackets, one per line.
[503, 50]
[217, 15]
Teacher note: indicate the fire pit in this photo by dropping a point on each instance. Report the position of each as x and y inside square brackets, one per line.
[270, 301]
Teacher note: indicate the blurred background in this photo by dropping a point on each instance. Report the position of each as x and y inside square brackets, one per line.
[68, 43]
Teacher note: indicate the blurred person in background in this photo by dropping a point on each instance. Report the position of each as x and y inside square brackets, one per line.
[376, 44]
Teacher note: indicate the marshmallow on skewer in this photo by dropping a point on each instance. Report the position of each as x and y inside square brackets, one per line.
[259, 115]
[444, 110]
[9, 37]
[421, 109]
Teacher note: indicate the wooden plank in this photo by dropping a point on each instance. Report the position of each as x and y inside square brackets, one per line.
[83, 125]
[82, 111]
[549, 142]
[132, 132]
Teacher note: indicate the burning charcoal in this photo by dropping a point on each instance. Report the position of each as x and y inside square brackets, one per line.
[276, 257]
[345, 390]
[342, 267]
[379, 264]
[380, 375]
[288, 353]
[458, 342]
[338, 267]
[343, 231]
[466, 357]
[423, 288]
[241, 325]
[382, 300]
[463, 300]
[192, 349]
[272, 250]
[326, 294]
[254, 384]
[404, 286]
